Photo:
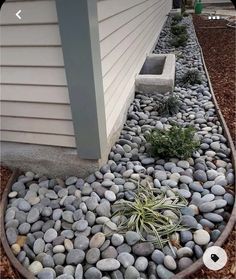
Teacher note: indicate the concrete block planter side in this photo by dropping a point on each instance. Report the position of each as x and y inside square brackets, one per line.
[157, 83]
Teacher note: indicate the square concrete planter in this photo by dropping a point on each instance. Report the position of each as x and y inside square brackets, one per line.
[157, 74]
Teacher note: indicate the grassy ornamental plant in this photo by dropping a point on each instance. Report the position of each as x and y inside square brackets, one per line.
[170, 105]
[145, 214]
[192, 77]
[178, 29]
[176, 142]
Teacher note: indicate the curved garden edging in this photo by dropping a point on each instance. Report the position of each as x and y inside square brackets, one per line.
[16, 264]
[194, 267]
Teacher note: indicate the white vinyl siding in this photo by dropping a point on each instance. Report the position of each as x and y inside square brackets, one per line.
[128, 30]
[35, 105]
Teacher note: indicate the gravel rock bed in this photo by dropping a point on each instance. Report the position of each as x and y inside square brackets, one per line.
[65, 229]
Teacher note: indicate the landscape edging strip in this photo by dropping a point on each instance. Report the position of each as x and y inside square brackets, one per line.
[11, 257]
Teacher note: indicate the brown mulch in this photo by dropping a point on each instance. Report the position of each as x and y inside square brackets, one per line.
[218, 44]
[6, 270]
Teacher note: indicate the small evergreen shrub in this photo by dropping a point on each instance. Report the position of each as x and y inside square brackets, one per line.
[176, 19]
[176, 142]
[178, 29]
[185, 14]
[192, 77]
[179, 41]
[170, 105]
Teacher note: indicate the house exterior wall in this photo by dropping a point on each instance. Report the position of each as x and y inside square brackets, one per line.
[34, 95]
[40, 129]
[128, 30]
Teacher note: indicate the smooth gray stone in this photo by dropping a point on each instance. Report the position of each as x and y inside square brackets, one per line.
[11, 235]
[125, 259]
[143, 249]
[46, 273]
[50, 235]
[186, 236]
[218, 190]
[189, 221]
[108, 264]
[132, 273]
[39, 245]
[33, 215]
[207, 207]
[93, 255]
[158, 256]
[59, 258]
[109, 252]
[184, 263]
[117, 239]
[79, 272]
[24, 228]
[123, 248]
[93, 273]
[212, 217]
[163, 272]
[132, 237]
[75, 256]
[184, 252]
[23, 205]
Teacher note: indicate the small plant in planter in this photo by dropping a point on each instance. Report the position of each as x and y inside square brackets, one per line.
[146, 216]
[192, 77]
[178, 29]
[179, 41]
[170, 105]
[177, 142]
[176, 19]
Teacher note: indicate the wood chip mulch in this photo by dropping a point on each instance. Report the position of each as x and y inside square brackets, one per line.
[218, 44]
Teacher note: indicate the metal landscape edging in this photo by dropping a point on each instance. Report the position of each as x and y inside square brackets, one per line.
[11, 257]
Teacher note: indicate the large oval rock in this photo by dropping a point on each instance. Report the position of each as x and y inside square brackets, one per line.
[108, 264]
[50, 235]
[163, 272]
[35, 267]
[75, 256]
[97, 240]
[143, 249]
[33, 215]
[201, 237]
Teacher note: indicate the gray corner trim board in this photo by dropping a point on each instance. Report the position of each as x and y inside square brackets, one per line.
[78, 26]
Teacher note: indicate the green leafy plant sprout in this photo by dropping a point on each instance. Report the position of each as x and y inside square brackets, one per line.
[178, 29]
[170, 105]
[192, 77]
[177, 142]
[145, 214]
